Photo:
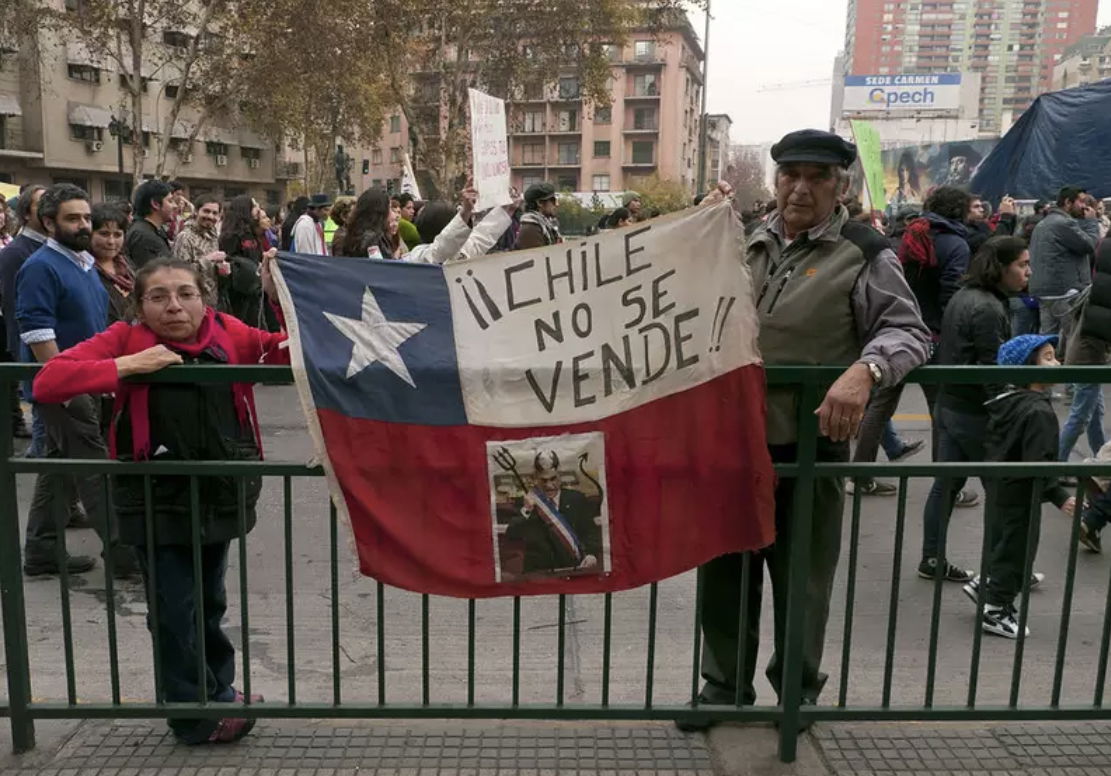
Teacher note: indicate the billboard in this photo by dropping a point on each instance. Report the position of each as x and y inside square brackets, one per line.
[905, 93]
[911, 173]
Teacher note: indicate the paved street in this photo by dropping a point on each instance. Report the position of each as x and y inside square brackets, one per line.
[311, 653]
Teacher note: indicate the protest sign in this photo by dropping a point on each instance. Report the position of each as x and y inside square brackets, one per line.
[489, 150]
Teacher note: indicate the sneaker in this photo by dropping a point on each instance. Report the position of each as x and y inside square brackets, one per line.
[1089, 537]
[927, 569]
[75, 564]
[78, 518]
[870, 487]
[1001, 621]
[908, 450]
[967, 499]
[1036, 578]
[972, 589]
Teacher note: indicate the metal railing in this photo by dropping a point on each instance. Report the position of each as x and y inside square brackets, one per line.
[623, 688]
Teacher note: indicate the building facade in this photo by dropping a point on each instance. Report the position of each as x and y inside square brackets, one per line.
[718, 126]
[1084, 62]
[59, 105]
[1013, 44]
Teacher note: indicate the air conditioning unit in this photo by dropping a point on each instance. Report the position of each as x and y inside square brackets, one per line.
[221, 160]
[253, 163]
[94, 146]
[186, 158]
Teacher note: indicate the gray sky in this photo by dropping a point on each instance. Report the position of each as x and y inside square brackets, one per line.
[778, 46]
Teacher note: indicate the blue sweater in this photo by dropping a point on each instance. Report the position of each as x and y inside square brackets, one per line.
[52, 292]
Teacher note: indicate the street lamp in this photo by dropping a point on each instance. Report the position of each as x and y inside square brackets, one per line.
[705, 89]
[119, 129]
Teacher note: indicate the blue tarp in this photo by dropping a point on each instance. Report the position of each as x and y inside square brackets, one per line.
[1063, 139]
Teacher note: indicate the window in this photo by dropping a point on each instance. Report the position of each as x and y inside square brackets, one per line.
[395, 124]
[528, 180]
[567, 121]
[214, 148]
[171, 91]
[600, 183]
[80, 132]
[273, 196]
[644, 50]
[603, 115]
[395, 154]
[125, 83]
[376, 183]
[251, 153]
[177, 39]
[569, 88]
[376, 156]
[645, 118]
[81, 183]
[644, 85]
[532, 153]
[567, 182]
[231, 192]
[601, 150]
[568, 153]
[86, 73]
[611, 52]
[644, 152]
[534, 121]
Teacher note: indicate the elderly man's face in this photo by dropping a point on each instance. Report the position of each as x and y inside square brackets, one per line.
[806, 194]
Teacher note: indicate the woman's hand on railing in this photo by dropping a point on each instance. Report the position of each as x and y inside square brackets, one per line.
[146, 361]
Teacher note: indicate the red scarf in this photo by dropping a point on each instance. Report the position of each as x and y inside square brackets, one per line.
[121, 277]
[211, 337]
[917, 246]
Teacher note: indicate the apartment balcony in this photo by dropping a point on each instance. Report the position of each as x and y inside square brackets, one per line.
[566, 162]
[646, 95]
[15, 145]
[642, 128]
[287, 170]
[640, 163]
[566, 131]
[529, 132]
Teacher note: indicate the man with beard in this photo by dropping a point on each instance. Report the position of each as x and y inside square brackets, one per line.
[61, 302]
[196, 243]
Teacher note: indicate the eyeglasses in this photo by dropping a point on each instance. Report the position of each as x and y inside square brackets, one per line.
[162, 298]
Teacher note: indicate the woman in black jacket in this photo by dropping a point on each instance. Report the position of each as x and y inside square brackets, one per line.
[975, 324]
[368, 227]
[241, 291]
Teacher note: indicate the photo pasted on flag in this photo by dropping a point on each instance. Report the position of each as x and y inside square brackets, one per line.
[548, 504]
[578, 418]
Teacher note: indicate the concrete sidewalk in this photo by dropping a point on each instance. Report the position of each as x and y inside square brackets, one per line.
[444, 748]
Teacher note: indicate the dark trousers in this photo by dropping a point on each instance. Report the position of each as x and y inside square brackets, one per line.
[721, 596]
[1007, 540]
[177, 633]
[960, 440]
[72, 431]
[1098, 513]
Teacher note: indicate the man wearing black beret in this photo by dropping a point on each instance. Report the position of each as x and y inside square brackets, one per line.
[829, 292]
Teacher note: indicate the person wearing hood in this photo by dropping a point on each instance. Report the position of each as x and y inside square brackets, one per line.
[633, 202]
[539, 226]
[1023, 428]
[976, 324]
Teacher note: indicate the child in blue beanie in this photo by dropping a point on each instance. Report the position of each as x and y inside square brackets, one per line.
[1022, 427]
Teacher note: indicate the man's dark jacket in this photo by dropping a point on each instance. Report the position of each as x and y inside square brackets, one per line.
[145, 242]
[11, 259]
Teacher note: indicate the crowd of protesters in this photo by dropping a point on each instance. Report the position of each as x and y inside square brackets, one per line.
[98, 292]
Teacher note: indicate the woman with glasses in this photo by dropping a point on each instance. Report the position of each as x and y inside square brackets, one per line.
[184, 421]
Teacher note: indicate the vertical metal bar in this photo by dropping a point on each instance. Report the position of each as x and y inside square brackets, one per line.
[62, 555]
[696, 659]
[1104, 647]
[516, 650]
[990, 521]
[244, 617]
[1027, 569]
[850, 600]
[470, 651]
[110, 596]
[333, 541]
[198, 588]
[650, 669]
[1066, 605]
[291, 654]
[561, 649]
[607, 634]
[940, 567]
[424, 658]
[381, 625]
[742, 626]
[152, 586]
[893, 611]
[798, 566]
[12, 604]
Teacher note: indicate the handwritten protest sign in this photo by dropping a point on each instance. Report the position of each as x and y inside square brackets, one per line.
[490, 150]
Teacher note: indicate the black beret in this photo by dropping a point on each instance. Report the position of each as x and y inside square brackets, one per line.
[538, 192]
[815, 147]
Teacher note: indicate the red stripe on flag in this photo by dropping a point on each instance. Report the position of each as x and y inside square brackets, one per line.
[688, 478]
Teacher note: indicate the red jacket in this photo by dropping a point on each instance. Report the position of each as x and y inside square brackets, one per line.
[90, 367]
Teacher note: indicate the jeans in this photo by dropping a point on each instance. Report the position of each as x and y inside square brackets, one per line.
[960, 440]
[890, 441]
[1086, 414]
[1057, 313]
[37, 448]
[177, 634]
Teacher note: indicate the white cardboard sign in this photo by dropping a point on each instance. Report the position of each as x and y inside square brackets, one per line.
[490, 150]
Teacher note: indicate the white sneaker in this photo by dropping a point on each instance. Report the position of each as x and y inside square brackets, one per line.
[1001, 621]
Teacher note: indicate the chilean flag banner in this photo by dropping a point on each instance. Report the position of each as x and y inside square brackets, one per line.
[585, 417]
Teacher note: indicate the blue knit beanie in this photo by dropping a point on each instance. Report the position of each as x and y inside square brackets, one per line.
[1019, 350]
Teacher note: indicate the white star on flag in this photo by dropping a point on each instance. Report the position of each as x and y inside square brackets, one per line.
[375, 338]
